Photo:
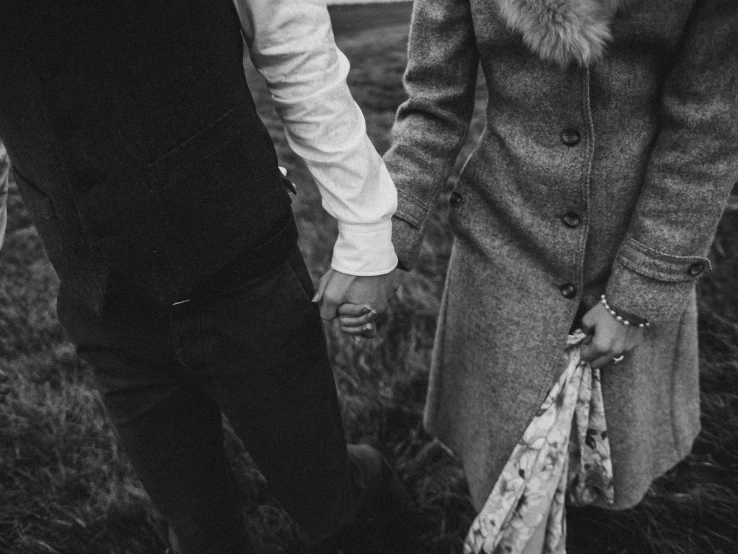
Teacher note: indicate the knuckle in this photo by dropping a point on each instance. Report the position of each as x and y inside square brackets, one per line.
[380, 307]
[601, 345]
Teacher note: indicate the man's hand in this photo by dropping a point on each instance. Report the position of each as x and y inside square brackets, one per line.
[610, 339]
[370, 293]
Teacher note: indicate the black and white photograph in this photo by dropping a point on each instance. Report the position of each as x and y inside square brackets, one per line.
[369, 277]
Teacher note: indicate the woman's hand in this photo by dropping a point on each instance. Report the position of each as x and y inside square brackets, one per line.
[610, 339]
[358, 321]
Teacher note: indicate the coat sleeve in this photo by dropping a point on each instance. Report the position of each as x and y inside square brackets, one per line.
[693, 165]
[432, 125]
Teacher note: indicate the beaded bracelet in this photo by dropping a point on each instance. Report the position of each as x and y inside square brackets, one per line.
[621, 319]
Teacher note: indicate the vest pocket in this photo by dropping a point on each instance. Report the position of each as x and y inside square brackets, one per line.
[44, 216]
[217, 194]
[38, 203]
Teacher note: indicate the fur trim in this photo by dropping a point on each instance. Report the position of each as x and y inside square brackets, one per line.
[562, 31]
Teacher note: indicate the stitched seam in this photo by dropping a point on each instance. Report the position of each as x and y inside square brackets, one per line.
[413, 199]
[658, 254]
[583, 241]
[409, 218]
[588, 172]
[676, 277]
[671, 391]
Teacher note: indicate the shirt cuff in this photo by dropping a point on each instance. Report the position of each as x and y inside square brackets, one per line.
[364, 250]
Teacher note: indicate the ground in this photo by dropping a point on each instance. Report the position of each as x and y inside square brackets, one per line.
[66, 488]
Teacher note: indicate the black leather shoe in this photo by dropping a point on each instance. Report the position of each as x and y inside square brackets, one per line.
[379, 495]
[381, 504]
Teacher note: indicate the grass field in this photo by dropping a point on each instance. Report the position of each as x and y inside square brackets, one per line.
[65, 488]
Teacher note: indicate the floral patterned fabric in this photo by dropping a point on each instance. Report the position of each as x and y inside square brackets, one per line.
[564, 454]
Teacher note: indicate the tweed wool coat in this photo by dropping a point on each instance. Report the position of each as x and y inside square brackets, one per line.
[610, 148]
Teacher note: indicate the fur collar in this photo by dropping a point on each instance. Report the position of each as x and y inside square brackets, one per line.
[562, 31]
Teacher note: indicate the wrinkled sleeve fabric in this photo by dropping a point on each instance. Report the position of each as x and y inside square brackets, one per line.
[690, 173]
[432, 125]
[3, 193]
[291, 44]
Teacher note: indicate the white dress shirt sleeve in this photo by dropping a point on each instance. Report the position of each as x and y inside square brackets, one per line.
[291, 44]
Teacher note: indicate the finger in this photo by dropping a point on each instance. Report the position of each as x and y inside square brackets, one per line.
[602, 361]
[328, 302]
[357, 321]
[380, 307]
[587, 325]
[633, 339]
[368, 331]
[329, 307]
[328, 310]
[589, 321]
[618, 347]
[354, 323]
[355, 331]
[594, 350]
[321, 287]
[353, 310]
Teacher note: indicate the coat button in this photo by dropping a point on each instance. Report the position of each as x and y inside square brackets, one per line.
[696, 269]
[572, 220]
[568, 291]
[570, 137]
[456, 199]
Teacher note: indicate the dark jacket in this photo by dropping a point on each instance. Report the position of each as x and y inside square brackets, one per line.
[610, 148]
[135, 141]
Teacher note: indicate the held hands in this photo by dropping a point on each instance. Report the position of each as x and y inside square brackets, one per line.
[357, 301]
[610, 339]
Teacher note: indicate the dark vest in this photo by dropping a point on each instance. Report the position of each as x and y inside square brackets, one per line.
[135, 141]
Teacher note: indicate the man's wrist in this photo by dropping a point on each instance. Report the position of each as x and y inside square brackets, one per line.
[364, 250]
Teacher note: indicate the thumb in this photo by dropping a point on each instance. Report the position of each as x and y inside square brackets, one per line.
[328, 306]
[588, 323]
[328, 310]
[321, 287]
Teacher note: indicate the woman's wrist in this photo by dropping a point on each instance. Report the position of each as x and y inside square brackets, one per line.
[623, 317]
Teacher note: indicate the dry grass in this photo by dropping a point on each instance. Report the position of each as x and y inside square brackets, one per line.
[65, 488]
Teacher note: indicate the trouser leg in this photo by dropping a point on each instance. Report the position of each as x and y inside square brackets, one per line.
[253, 348]
[168, 426]
[258, 347]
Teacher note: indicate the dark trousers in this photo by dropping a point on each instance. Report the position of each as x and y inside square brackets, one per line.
[249, 344]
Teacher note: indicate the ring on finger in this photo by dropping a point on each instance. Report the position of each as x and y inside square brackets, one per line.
[618, 359]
